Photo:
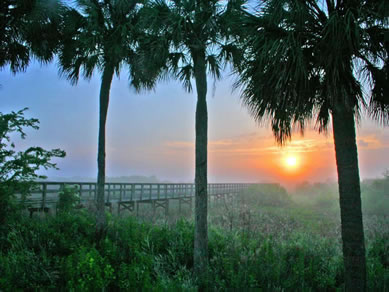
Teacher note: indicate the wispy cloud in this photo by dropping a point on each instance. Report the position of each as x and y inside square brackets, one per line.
[258, 155]
[373, 141]
[254, 144]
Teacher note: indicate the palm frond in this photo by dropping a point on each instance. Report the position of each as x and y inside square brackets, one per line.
[300, 60]
[213, 66]
[184, 75]
[379, 101]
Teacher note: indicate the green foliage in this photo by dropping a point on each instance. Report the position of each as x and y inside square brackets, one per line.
[378, 263]
[181, 32]
[87, 270]
[24, 269]
[302, 262]
[69, 198]
[100, 35]
[18, 170]
[28, 28]
[304, 59]
[60, 252]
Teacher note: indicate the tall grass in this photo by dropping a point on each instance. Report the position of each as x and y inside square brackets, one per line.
[289, 243]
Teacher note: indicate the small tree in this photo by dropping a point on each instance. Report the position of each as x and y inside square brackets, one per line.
[18, 169]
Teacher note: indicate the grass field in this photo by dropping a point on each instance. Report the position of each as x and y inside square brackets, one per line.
[265, 239]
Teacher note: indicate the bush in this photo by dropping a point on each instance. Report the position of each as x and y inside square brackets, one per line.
[87, 270]
[18, 169]
[265, 195]
[26, 270]
[378, 263]
[69, 198]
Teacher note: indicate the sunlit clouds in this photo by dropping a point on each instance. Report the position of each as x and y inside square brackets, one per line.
[154, 133]
[256, 157]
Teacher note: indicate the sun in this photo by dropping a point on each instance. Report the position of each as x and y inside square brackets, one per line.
[291, 162]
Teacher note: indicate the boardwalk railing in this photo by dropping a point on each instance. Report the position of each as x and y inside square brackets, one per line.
[45, 195]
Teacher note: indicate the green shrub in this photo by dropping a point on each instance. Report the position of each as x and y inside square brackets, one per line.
[378, 263]
[137, 274]
[87, 270]
[310, 262]
[27, 270]
[69, 198]
[18, 170]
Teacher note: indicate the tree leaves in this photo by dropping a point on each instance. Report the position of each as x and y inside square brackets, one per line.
[18, 170]
[28, 28]
[21, 166]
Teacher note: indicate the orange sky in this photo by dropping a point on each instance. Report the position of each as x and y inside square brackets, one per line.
[153, 133]
[256, 157]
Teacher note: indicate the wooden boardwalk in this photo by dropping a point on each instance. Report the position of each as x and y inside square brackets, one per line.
[126, 196]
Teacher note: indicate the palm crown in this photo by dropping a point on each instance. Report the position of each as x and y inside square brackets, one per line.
[184, 29]
[101, 33]
[28, 28]
[326, 55]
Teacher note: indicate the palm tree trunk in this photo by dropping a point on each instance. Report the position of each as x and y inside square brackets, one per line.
[104, 101]
[350, 200]
[201, 182]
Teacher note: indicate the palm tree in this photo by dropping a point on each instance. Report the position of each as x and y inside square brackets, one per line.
[187, 38]
[310, 59]
[28, 28]
[102, 35]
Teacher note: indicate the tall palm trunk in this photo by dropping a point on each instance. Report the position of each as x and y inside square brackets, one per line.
[201, 182]
[350, 199]
[104, 101]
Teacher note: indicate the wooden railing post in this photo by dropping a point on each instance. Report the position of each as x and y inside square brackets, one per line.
[108, 191]
[80, 191]
[132, 191]
[44, 193]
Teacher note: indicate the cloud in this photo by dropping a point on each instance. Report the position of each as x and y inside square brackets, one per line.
[253, 144]
[362, 143]
[373, 141]
[257, 155]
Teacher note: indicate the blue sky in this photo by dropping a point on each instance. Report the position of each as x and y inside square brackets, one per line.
[138, 124]
[152, 133]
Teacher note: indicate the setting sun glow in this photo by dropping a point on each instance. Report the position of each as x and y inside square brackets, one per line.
[291, 162]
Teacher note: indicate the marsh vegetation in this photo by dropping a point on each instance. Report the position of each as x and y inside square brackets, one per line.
[263, 238]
